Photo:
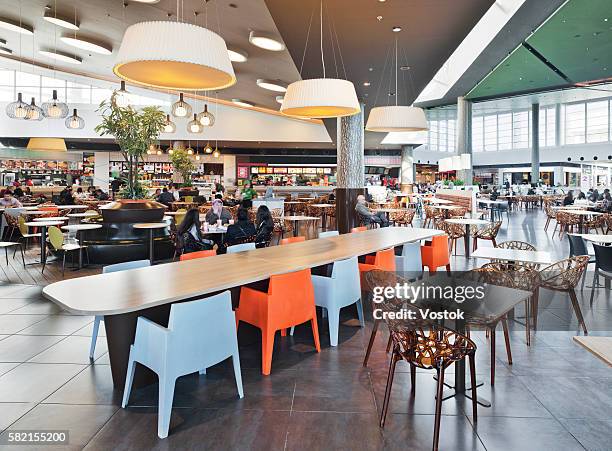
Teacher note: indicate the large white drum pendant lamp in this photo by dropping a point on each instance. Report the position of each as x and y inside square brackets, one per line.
[396, 119]
[321, 98]
[174, 55]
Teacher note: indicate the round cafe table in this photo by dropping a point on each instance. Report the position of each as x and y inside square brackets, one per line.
[467, 222]
[296, 219]
[79, 229]
[151, 226]
[324, 208]
[53, 218]
[43, 236]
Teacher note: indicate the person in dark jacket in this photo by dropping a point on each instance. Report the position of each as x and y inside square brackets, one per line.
[242, 231]
[569, 199]
[264, 225]
[166, 197]
[189, 233]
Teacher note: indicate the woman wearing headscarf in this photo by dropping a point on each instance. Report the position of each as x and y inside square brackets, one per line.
[216, 212]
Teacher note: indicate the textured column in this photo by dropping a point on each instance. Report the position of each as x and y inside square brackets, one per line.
[101, 170]
[350, 170]
[407, 169]
[464, 137]
[535, 143]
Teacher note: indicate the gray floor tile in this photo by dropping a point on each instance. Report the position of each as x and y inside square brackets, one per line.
[57, 325]
[21, 348]
[72, 349]
[594, 435]
[11, 324]
[33, 382]
[12, 411]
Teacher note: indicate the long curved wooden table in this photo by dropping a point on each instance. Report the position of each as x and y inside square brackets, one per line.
[123, 296]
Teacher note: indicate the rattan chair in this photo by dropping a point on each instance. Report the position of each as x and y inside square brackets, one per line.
[431, 214]
[402, 218]
[563, 276]
[551, 215]
[454, 232]
[488, 232]
[567, 222]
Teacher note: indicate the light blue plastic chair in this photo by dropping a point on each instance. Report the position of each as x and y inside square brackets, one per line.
[340, 290]
[328, 234]
[410, 260]
[200, 334]
[107, 269]
[240, 248]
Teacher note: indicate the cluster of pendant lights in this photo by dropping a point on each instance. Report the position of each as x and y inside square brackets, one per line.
[53, 109]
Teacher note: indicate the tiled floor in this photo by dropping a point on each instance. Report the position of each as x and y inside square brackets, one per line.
[556, 395]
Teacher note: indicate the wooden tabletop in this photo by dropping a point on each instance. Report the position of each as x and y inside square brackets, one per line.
[514, 255]
[435, 200]
[490, 202]
[133, 290]
[150, 225]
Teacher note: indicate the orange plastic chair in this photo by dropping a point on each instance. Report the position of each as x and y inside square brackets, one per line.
[199, 254]
[359, 229]
[383, 261]
[435, 253]
[293, 239]
[288, 302]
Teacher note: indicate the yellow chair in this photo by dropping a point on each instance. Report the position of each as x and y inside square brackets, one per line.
[25, 232]
[56, 238]
[188, 199]
[178, 218]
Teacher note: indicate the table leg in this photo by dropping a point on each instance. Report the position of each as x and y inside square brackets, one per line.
[492, 215]
[324, 218]
[43, 245]
[296, 225]
[151, 250]
[80, 234]
[467, 240]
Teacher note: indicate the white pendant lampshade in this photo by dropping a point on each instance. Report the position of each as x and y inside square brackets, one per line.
[466, 161]
[174, 55]
[456, 163]
[396, 119]
[321, 98]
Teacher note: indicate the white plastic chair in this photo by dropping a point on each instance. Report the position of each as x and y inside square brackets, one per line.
[200, 334]
[107, 269]
[340, 290]
[328, 234]
[410, 260]
[240, 248]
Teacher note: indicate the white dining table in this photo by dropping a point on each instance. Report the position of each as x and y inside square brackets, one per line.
[467, 222]
[513, 255]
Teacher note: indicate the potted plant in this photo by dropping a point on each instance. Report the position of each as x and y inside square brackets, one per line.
[134, 131]
[183, 164]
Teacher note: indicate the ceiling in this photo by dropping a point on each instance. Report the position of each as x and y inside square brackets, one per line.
[574, 45]
[106, 20]
[431, 30]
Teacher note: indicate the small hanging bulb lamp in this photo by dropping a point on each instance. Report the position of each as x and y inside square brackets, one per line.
[189, 151]
[75, 122]
[18, 109]
[122, 96]
[194, 126]
[54, 109]
[208, 148]
[206, 118]
[169, 126]
[35, 113]
[181, 108]
[216, 153]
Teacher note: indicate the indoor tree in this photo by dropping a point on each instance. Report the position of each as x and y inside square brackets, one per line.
[134, 131]
[183, 164]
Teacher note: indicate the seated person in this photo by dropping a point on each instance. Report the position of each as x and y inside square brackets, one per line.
[80, 194]
[607, 202]
[101, 195]
[157, 194]
[569, 199]
[243, 231]
[9, 201]
[264, 225]
[18, 192]
[581, 200]
[217, 212]
[166, 197]
[189, 234]
[367, 216]
[65, 196]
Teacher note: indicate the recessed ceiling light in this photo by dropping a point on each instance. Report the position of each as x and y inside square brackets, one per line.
[367, 83]
[266, 41]
[397, 29]
[379, 18]
[280, 99]
[60, 21]
[237, 55]
[88, 45]
[17, 27]
[272, 85]
[243, 103]
[150, 2]
[404, 68]
[63, 57]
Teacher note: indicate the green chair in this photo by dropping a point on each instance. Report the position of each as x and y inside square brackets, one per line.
[56, 238]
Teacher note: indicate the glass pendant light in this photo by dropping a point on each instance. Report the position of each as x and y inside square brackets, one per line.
[169, 126]
[35, 113]
[194, 126]
[18, 109]
[181, 108]
[189, 151]
[208, 148]
[122, 97]
[216, 153]
[206, 118]
[54, 109]
[198, 157]
[75, 122]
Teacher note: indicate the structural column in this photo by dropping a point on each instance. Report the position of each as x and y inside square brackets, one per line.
[350, 170]
[535, 143]
[101, 170]
[464, 137]
[407, 169]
